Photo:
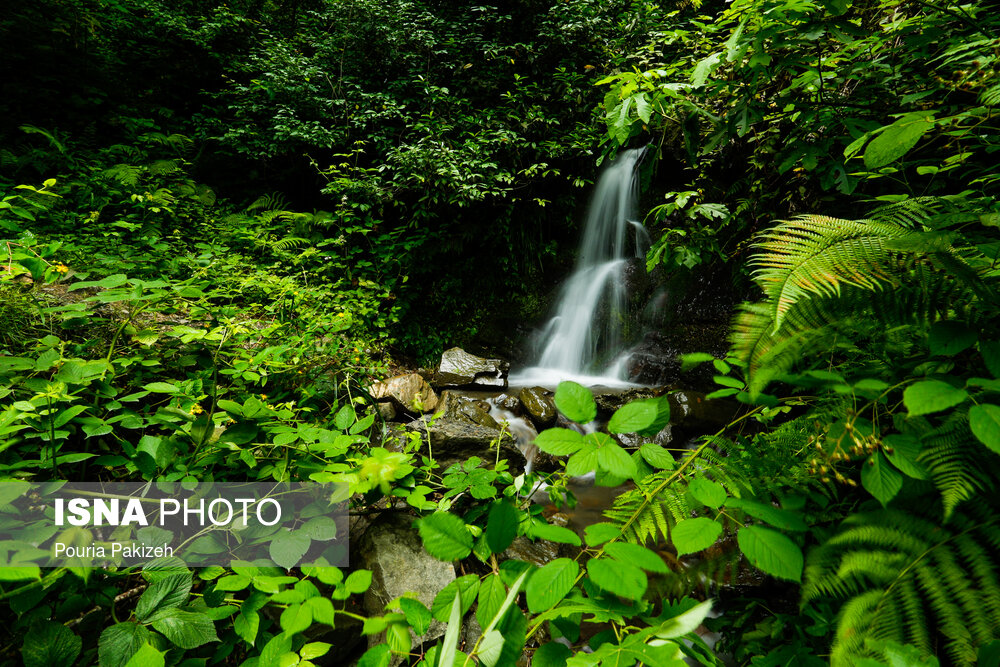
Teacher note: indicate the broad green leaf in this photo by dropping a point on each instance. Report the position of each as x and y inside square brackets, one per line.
[990, 349]
[636, 554]
[164, 593]
[897, 139]
[646, 417]
[686, 622]
[707, 492]
[288, 548]
[345, 417]
[985, 423]
[320, 528]
[779, 518]
[929, 396]
[771, 552]
[704, 69]
[147, 656]
[491, 596]
[119, 642]
[50, 644]
[296, 618]
[576, 402]
[376, 656]
[490, 648]
[314, 650]
[449, 646]
[233, 582]
[905, 455]
[547, 531]
[161, 387]
[186, 629]
[619, 578]
[550, 584]
[880, 479]
[559, 441]
[691, 535]
[948, 338]
[614, 459]
[246, 626]
[467, 587]
[417, 615]
[656, 456]
[599, 533]
[501, 526]
[445, 536]
[552, 654]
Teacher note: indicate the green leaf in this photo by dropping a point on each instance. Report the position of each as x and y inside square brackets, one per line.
[779, 518]
[897, 139]
[599, 533]
[246, 625]
[707, 492]
[417, 615]
[984, 420]
[491, 596]
[684, 623]
[288, 548]
[638, 555]
[345, 417]
[576, 402]
[656, 456]
[119, 642]
[948, 338]
[314, 650]
[905, 455]
[296, 618]
[445, 536]
[501, 526]
[990, 349]
[618, 578]
[164, 593]
[50, 644]
[147, 656]
[490, 648]
[771, 552]
[928, 396]
[449, 646]
[691, 535]
[881, 479]
[233, 582]
[559, 441]
[550, 584]
[186, 629]
[161, 387]
[546, 531]
[646, 417]
[552, 654]
[467, 587]
[320, 528]
[614, 459]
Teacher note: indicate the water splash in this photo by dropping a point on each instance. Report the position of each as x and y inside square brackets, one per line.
[584, 339]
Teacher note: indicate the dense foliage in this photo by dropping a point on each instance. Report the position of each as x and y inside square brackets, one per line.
[220, 221]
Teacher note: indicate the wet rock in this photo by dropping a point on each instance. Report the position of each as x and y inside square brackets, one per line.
[458, 368]
[609, 400]
[387, 410]
[538, 552]
[408, 392]
[508, 402]
[538, 403]
[455, 406]
[392, 550]
[455, 441]
[694, 412]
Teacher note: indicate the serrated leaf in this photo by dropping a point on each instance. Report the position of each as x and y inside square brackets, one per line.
[345, 417]
[550, 584]
[553, 654]
[296, 618]
[646, 417]
[559, 441]
[445, 536]
[984, 420]
[619, 578]
[929, 396]
[490, 648]
[417, 615]
[501, 526]
[771, 552]
[881, 479]
[949, 338]
[707, 492]
[576, 402]
[897, 139]
[467, 587]
[491, 596]
[161, 388]
[246, 625]
[684, 623]
[119, 642]
[990, 349]
[638, 555]
[779, 518]
[656, 456]
[50, 644]
[288, 547]
[691, 535]
[147, 656]
[546, 531]
[186, 629]
[164, 593]
[615, 460]
[599, 533]
[905, 455]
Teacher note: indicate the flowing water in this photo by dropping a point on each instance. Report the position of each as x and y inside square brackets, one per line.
[584, 339]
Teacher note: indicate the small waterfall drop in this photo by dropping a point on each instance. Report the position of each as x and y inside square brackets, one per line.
[584, 339]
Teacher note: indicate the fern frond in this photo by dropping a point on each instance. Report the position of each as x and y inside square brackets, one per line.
[126, 174]
[272, 201]
[906, 578]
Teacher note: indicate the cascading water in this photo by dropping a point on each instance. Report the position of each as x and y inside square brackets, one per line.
[584, 339]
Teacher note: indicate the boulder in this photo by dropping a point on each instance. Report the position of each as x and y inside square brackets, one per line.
[458, 368]
[455, 440]
[392, 550]
[409, 392]
[539, 404]
[693, 411]
[508, 402]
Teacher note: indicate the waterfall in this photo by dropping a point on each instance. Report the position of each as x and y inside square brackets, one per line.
[584, 339]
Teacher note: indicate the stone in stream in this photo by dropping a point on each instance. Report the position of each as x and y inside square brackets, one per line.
[408, 392]
[539, 404]
[454, 441]
[392, 550]
[458, 368]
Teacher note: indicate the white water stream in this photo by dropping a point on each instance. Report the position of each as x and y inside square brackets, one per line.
[583, 341]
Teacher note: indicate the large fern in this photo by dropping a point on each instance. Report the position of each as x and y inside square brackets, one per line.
[904, 577]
